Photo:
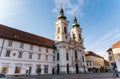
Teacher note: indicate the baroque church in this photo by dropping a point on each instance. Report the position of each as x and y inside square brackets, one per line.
[25, 53]
[70, 51]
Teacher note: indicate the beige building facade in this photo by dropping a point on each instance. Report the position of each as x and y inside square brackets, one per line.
[95, 63]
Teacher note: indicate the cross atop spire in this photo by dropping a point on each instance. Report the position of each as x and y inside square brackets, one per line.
[61, 15]
[61, 4]
[75, 20]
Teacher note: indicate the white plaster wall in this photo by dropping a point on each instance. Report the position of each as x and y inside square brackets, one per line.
[117, 57]
[1, 41]
[116, 50]
[13, 60]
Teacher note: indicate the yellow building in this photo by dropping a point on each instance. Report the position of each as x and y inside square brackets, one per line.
[95, 63]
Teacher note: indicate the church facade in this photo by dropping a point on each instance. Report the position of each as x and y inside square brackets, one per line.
[26, 53]
[70, 54]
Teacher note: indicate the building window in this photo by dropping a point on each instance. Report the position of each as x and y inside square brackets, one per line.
[47, 50]
[58, 37]
[14, 54]
[46, 57]
[10, 43]
[90, 63]
[57, 56]
[30, 55]
[65, 30]
[21, 45]
[20, 55]
[39, 49]
[39, 56]
[76, 55]
[67, 56]
[110, 58]
[82, 58]
[8, 53]
[53, 58]
[87, 64]
[79, 36]
[58, 29]
[38, 69]
[4, 69]
[109, 53]
[31, 47]
[17, 70]
[45, 68]
[53, 51]
[66, 37]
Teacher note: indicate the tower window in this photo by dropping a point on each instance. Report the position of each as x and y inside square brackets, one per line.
[65, 30]
[67, 56]
[83, 58]
[75, 54]
[73, 36]
[57, 56]
[58, 37]
[79, 36]
[66, 37]
[58, 29]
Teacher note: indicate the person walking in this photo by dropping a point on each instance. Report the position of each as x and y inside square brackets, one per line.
[39, 71]
[115, 72]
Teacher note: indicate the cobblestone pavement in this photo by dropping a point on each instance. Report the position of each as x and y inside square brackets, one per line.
[70, 76]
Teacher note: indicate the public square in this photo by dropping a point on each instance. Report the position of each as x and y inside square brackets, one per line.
[70, 76]
[59, 39]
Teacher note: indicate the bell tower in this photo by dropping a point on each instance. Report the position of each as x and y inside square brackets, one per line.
[76, 31]
[62, 38]
[61, 28]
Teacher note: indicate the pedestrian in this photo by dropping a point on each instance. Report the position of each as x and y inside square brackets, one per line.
[39, 71]
[115, 72]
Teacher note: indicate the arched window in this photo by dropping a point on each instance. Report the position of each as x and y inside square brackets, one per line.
[79, 36]
[76, 55]
[67, 56]
[4, 70]
[73, 36]
[65, 30]
[17, 69]
[57, 56]
[58, 29]
[83, 58]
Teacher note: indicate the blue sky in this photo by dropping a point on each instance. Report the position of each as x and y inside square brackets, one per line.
[99, 19]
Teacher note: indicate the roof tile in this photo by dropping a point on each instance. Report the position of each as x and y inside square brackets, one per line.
[117, 44]
[18, 35]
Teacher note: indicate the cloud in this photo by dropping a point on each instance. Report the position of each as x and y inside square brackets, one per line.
[103, 43]
[9, 7]
[71, 6]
